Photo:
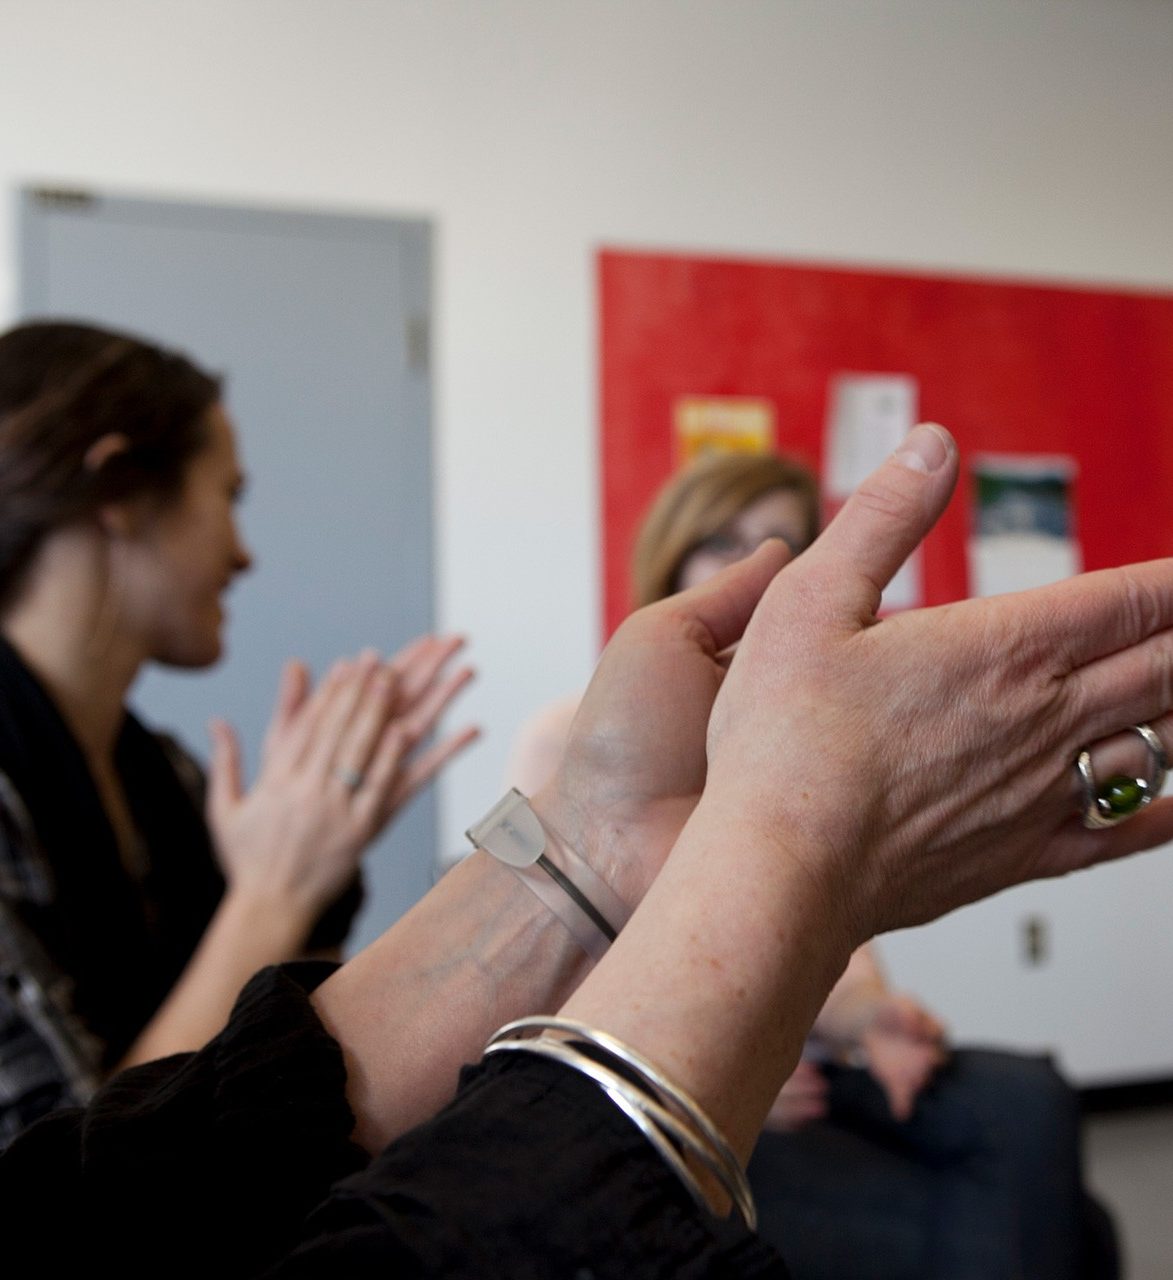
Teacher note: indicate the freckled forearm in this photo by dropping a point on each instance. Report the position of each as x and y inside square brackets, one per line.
[732, 972]
[422, 1000]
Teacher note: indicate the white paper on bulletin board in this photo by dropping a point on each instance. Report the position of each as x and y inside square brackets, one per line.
[1023, 522]
[868, 415]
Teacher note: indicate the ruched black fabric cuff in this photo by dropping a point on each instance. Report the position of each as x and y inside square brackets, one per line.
[199, 1164]
[531, 1172]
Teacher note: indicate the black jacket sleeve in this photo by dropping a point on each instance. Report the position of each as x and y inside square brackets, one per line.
[531, 1173]
[198, 1164]
[212, 1164]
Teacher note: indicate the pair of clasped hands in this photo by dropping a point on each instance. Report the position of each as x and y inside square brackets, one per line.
[338, 762]
[770, 777]
[903, 768]
[920, 763]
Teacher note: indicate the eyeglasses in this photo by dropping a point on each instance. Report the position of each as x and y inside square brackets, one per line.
[731, 547]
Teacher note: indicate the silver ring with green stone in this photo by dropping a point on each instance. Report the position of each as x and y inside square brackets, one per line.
[1121, 797]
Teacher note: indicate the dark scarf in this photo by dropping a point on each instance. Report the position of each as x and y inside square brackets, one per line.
[123, 939]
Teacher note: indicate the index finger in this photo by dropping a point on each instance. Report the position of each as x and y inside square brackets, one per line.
[1097, 614]
[292, 691]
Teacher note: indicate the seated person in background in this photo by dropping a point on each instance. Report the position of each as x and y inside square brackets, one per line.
[128, 924]
[710, 806]
[886, 1154]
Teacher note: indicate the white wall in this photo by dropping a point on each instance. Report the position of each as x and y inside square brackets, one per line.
[996, 135]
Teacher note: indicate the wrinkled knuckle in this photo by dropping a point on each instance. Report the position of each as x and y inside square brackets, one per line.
[883, 495]
[695, 632]
[1023, 629]
[1141, 608]
[1161, 673]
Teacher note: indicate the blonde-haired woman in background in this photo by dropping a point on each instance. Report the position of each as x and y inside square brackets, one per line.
[887, 1154]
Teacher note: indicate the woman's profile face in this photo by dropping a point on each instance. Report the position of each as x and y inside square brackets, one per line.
[781, 513]
[185, 555]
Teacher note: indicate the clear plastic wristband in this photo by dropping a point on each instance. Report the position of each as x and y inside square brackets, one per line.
[588, 907]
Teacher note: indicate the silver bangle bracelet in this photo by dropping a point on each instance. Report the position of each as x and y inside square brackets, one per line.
[667, 1116]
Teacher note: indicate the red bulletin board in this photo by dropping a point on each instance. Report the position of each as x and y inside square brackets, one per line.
[1008, 366]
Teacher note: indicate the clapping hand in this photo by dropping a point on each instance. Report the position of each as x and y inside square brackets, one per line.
[801, 1101]
[927, 759]
[902, 1047]
[338, 762]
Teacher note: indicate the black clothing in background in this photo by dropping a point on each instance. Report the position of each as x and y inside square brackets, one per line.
[196, 1165]
[123, 937]
[92, 944]
[983, 1182]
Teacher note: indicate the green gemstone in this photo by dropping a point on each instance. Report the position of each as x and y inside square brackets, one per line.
[1122, 795]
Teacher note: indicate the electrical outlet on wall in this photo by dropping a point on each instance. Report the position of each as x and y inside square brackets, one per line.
[1036, 940]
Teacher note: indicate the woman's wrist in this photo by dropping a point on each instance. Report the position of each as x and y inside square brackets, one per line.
[733, 969]
[421, 1001]
[614, 850]
[276, 920]
[551, 868]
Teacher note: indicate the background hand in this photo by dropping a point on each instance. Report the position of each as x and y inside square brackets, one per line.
[801, 1101]
[866, 1024]
[425, 688]
[337, 763]
[902, 1046]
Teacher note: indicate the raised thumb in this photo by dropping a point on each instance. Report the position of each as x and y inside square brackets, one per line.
[885, 520]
